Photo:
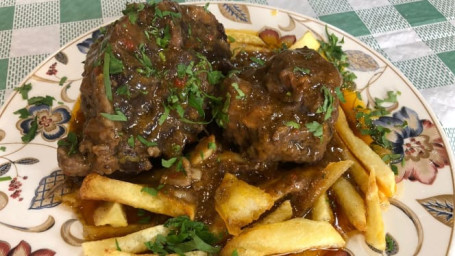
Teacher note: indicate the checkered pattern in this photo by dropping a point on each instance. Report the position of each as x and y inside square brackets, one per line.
[418, 36]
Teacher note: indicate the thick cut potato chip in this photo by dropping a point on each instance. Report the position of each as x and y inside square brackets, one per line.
[239, 203]
[97, 187]
[369, 159]
[282, 213]
[307, 40]
[122, 253]
[375, 234]
[110, 213]
[351, 203]
[134, 243]
[291, 236]
[321, 209]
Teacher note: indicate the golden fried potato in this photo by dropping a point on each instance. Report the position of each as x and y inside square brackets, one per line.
[239, 203]
[307, 40]
[133, 243]
[369, 159]
[375, 234]
[122, 253]
[282, 213]
[291, 236]
[97, 187]
[351, 203]
[109, 213]
[203, 150]
[321, 209]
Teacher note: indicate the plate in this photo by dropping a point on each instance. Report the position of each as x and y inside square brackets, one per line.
[419, 220]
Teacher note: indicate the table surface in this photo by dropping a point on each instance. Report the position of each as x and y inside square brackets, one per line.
[418, 37]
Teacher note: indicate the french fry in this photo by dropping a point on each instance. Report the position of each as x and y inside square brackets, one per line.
[110, 213]
[97, 187]
[375, 234]
[122, 253]
[245, 37]
[239, 203]
[321, 209]
[291, 236]
[203, 150]
[133, 243]
[351, 203]
[369, 159]
[307, 40]
[282, 213]
[329, 175]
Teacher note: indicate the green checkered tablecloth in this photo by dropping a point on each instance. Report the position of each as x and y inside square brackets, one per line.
[418, 36]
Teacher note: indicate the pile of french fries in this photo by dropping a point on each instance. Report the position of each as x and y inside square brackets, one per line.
[245, 210]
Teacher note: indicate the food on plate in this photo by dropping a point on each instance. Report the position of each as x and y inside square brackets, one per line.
[189, 141]
[147, 83]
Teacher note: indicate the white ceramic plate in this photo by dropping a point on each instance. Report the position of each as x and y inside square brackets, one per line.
[419, 221]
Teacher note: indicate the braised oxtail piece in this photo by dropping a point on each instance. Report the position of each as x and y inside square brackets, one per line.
[147, 84]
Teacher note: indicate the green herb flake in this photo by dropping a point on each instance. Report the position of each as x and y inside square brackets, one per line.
[214, 77]
[184, 235]
[24, 89]
[235, 253]
[258, 61]
[339, 94]
[130, 141]
[117, 246]
[241, 94]
[152, 191]
[40, 100]
[303, 71]
[212, 145]
[145, 142]
[6, 178]
[327, 106]
[164, 116]
[168, 163]
[23, 113]
[115, 65]
[293, 124]
[124, 90]
[3, 148]
[206, 6]
[30, 135]
[71, 142]
[62, 80]
[315, 128]
[132, 11]
[231, 39]
[118, 116]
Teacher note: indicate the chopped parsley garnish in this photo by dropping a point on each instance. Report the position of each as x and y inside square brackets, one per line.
[23, 113]
[24, 89]
[3, 148]
[303, 71]
[214, 77]
[6, 178]
[115, 64]
[334, 53]
[235, 253]
[132, 10]
[212, 145]
[391, 98]
[184, 235]
[144, 59]
[206, 6]
[124, 90]
[339, 94]
[152, 191]
[240, 93]
[62, 80]
[130, 141]
[230, 39]
[258, 61]
[168, 163]
[164, 116]
[293, 124]
[118, 116]
[327, 105]
[146, 142]
[30, 135]
[40, 100]
[117, 246]
[315, 128]
[71, 142]
[163, 37]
